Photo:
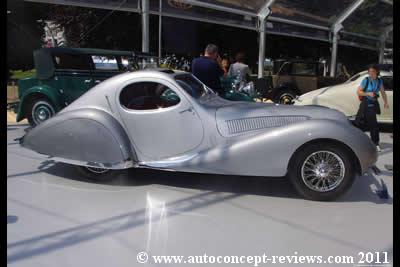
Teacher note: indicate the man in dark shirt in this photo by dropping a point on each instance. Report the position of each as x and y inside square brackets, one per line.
[207, 69]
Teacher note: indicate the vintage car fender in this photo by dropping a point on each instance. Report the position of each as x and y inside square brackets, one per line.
[249, 154]
[285, 85]
[41, 90]
[86, 137]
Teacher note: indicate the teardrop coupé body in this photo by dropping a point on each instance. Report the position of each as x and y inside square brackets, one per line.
[170, 120]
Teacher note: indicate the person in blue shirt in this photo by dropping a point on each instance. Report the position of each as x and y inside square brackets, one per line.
[369, 90]
[208, 69]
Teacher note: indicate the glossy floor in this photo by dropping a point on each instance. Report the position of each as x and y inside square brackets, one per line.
[56, 219]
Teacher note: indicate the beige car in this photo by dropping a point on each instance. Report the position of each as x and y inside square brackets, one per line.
[344, 98]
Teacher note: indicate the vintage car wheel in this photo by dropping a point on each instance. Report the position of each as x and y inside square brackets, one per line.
[96, 174]
[322, 171]
[285, 96]
[39, 110]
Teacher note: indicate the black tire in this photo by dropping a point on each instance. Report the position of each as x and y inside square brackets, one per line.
[39, 110]
[285, 96]
[97, 174]
[295, 171]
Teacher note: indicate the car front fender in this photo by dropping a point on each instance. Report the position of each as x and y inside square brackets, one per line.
[268, 152]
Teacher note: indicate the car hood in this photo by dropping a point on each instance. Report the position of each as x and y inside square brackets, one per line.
[314, 93]
[240, 117]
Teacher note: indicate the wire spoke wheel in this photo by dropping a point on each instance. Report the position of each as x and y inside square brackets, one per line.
[323, 171]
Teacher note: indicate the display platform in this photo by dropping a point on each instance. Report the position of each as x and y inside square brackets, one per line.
[54, 218]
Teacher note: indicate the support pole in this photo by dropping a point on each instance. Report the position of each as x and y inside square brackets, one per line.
[382, 42]
[261, 47]
[336, 27]
[145, 26]
[262, 15]
[381, 52]
[334, 54]
[159, 31]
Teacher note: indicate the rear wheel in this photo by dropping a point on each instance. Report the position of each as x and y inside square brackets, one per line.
[39, 110]
[322, 171]
[96, 174]
[285, 96]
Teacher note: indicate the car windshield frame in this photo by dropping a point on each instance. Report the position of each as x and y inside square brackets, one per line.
[196, 93]
[356, 76]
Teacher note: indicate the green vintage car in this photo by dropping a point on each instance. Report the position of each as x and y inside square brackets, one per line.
[63, 74]
[236, 94]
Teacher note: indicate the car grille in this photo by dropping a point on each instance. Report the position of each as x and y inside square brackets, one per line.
[256, 123]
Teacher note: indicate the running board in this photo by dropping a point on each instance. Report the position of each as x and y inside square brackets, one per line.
[167, 163]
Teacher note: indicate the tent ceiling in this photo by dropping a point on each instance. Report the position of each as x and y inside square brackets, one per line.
[311, 19]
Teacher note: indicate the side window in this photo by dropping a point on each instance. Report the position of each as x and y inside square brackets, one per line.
[147, 95]
[300, 68]
[105, 63]
[388, 83]
[128, 62]
[285, 69]
[71, 61]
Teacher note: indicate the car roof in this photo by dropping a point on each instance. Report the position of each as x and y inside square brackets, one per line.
[90, 51]
[381, 73]
[146, 73]
[294, 60]
[44, 63]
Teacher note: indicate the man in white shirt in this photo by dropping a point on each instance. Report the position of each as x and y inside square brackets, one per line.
[239, 68]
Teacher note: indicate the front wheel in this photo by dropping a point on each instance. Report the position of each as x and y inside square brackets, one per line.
[39, 110]
[322, 172]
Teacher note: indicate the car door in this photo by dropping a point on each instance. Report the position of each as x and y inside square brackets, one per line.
[305, 76]
[104, 67]
[159, 118]
[73, 74]
[387, 114]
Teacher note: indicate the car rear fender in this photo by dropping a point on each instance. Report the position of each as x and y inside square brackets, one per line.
[87, 137]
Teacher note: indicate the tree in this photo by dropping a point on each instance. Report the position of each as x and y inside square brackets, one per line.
[24, 33]
[87, 27]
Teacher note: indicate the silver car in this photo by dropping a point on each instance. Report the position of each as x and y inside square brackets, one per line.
[168, 120]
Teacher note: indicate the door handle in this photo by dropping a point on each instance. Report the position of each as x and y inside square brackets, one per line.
[88, 81]
[97, 81]
[190, 109]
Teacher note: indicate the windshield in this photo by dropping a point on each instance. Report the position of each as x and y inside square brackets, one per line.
[356, 76]
[147, 62]
[191, 85]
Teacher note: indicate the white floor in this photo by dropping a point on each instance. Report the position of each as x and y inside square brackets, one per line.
[56, 219]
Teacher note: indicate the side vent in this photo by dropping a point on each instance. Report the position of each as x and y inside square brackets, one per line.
[256, 123]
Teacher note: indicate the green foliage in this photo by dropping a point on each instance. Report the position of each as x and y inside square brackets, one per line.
[20, 74]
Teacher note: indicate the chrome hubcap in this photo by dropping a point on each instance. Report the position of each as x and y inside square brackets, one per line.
[286, 99]
[323, 171]
[41, 111]
[42, 114]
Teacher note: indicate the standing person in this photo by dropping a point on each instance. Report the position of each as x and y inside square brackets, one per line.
[226, 80]
[207, 68]
[225, 64]
[240, 67]
[368, 92]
